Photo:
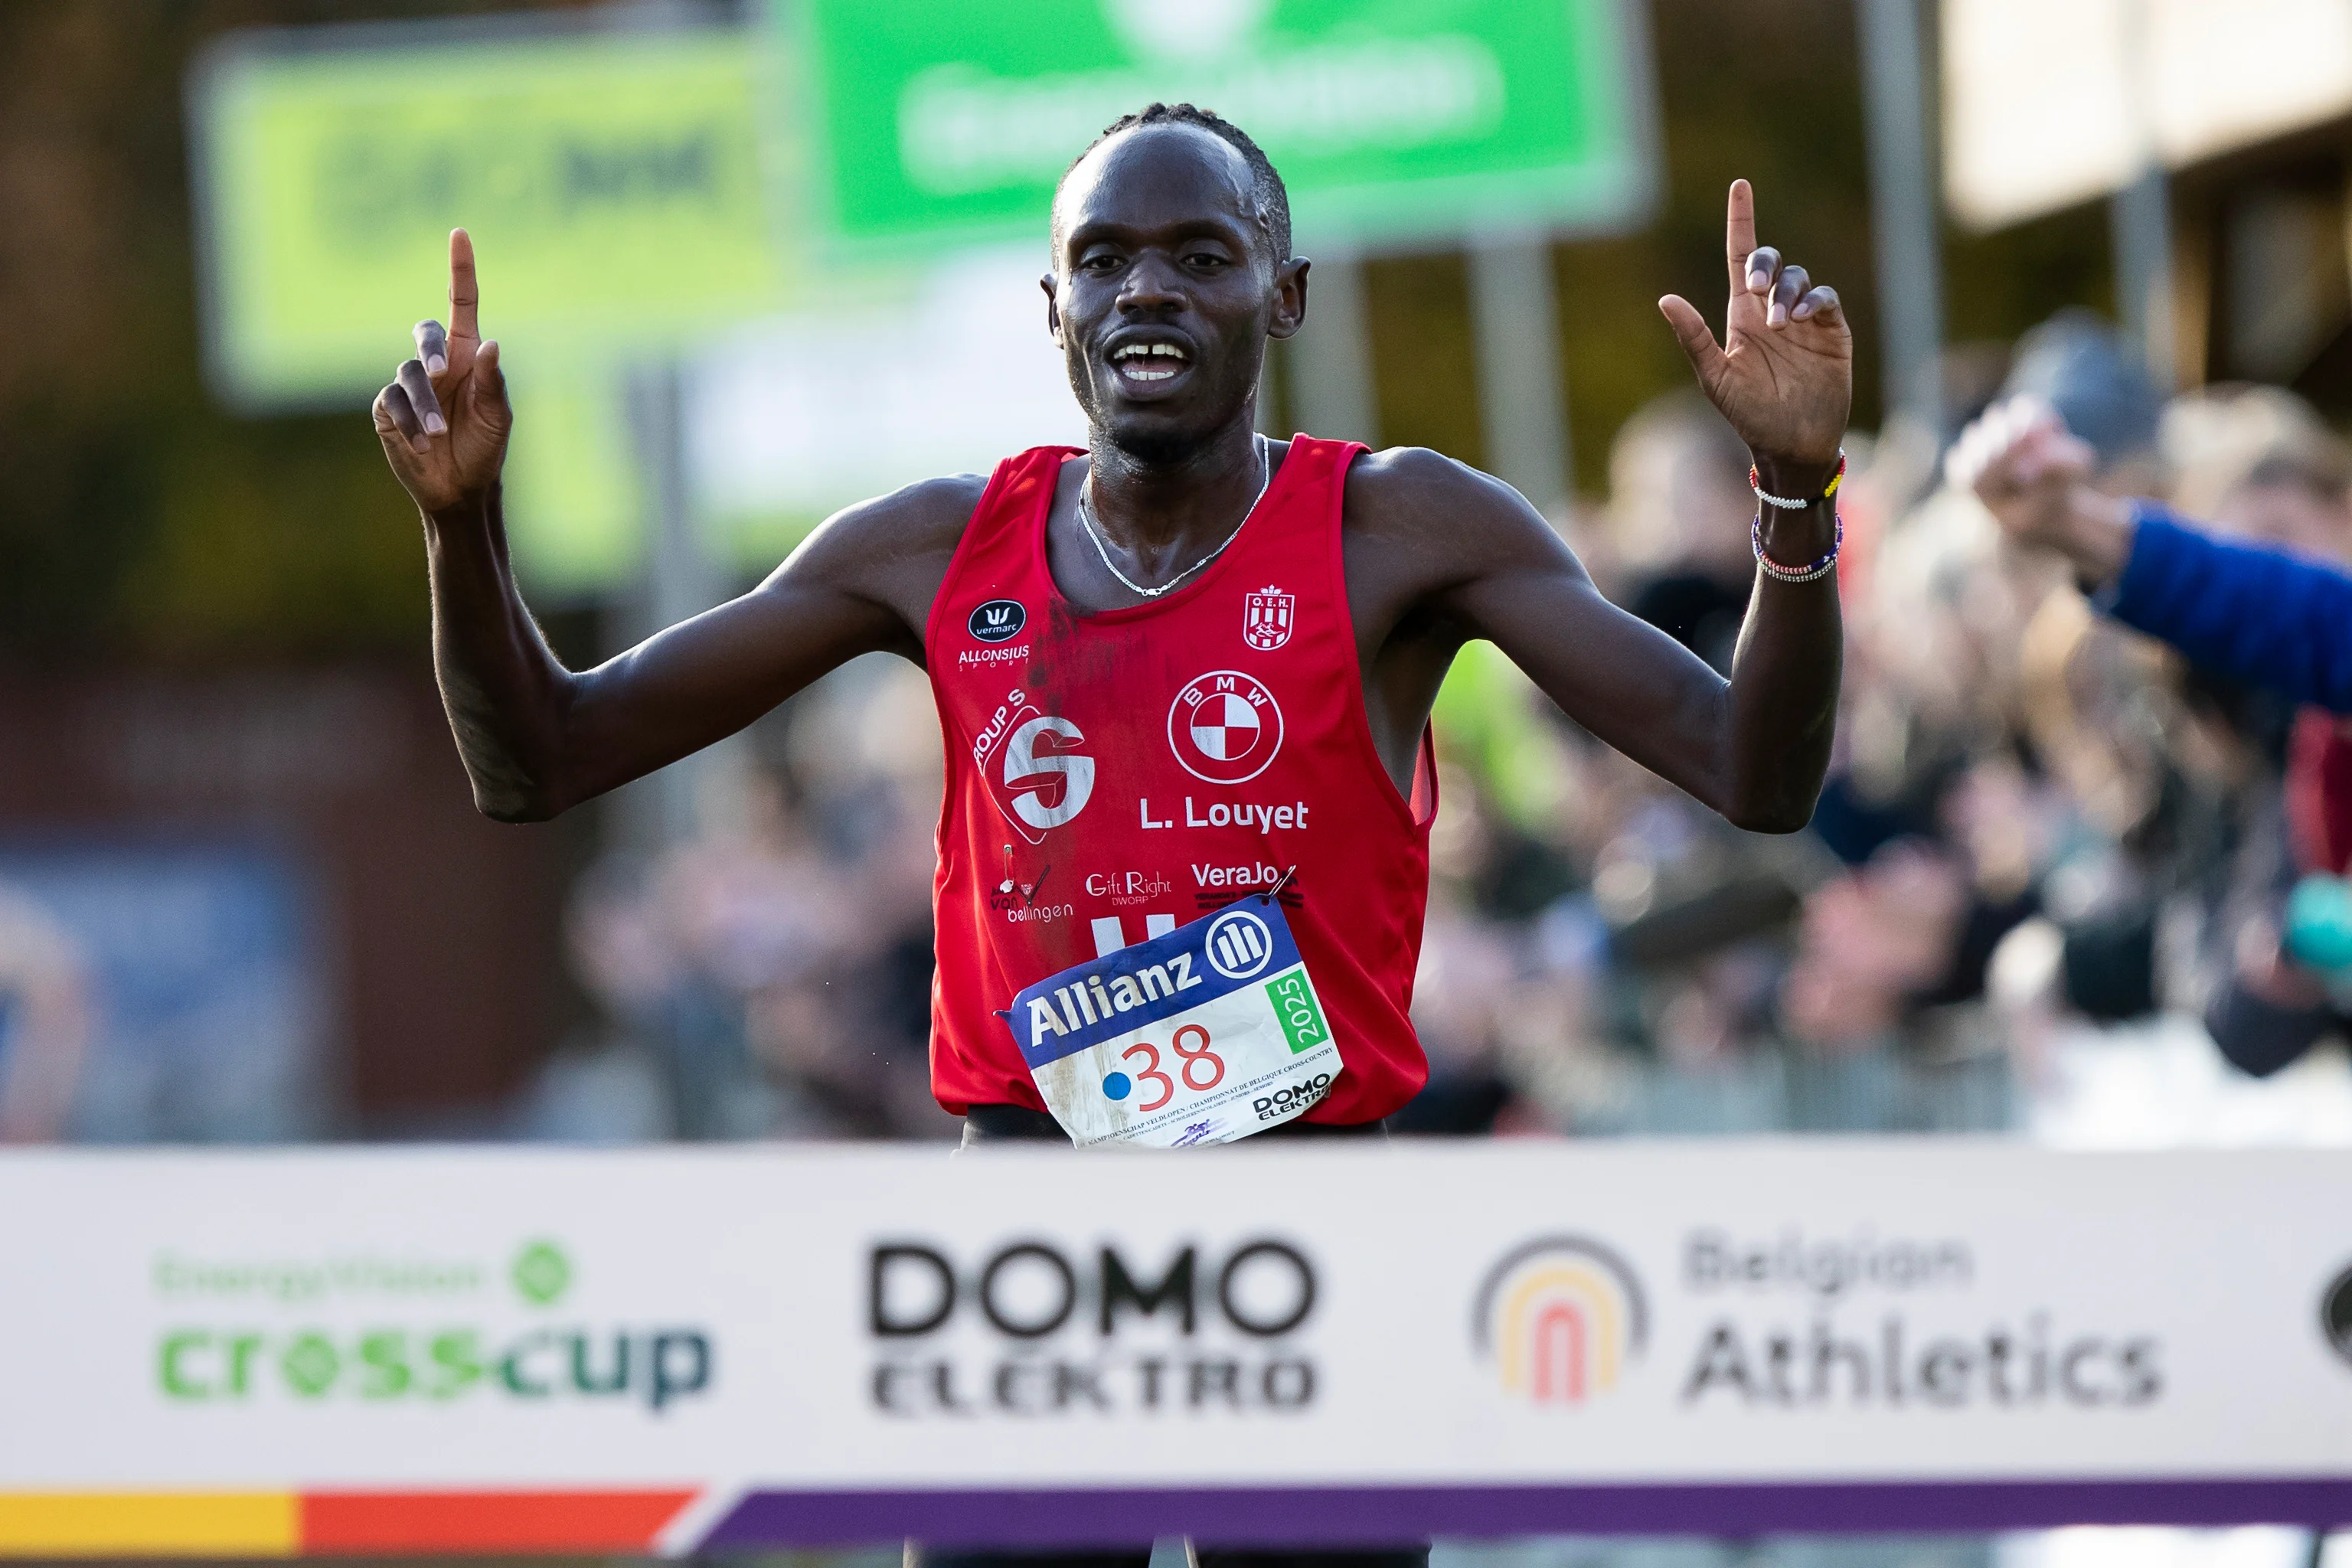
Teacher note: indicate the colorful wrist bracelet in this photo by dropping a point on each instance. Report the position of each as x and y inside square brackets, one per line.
[1780, 574]
[1756, 483]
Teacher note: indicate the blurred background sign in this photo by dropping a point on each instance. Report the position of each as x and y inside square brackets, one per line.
[613, 182]
[2049, 105]
[163, 990]
[617, 188]
[1393, 123]
[2046, 105]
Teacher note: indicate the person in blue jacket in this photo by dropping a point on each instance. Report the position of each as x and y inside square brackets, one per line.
[2251, 613]
[2256, 615]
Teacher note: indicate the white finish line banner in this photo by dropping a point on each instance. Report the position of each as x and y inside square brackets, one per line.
[677, 1351]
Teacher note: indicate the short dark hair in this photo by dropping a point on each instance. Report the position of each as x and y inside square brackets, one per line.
[1266, 189]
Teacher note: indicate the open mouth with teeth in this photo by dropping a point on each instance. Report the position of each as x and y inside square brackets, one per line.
[1149, 361]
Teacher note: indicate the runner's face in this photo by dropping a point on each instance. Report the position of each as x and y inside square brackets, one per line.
[1167, 290]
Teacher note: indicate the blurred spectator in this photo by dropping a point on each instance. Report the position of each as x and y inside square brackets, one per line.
[44, 1021]
[1678, 513]
[772, 976]
[2255, 615]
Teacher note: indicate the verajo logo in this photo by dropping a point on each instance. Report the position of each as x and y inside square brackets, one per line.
[1224, 727]
[998, 620]
[1560, 1318]
[2336, 1314]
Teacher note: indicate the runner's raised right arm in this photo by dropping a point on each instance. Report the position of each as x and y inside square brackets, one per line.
[538, 738]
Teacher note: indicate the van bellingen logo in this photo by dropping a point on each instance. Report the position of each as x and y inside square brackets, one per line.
[1560, 1318]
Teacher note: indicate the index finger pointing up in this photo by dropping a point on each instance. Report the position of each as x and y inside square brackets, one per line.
[1738, 232]
[465, 293]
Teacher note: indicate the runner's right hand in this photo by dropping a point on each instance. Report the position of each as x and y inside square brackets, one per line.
[444, 420]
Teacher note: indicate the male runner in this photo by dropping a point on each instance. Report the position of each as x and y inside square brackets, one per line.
[1184, 676]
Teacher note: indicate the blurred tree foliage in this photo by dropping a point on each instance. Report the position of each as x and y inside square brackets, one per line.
[138, 520]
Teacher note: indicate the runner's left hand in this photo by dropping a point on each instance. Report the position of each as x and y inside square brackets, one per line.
[1784, 374]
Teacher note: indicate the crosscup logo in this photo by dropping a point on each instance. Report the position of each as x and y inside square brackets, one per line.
[1224, 727]
[1560, 1318]
[1037, 1329]
[1239, 944]
[997, 620]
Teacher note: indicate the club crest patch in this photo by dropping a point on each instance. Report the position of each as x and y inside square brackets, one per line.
[1267, 618]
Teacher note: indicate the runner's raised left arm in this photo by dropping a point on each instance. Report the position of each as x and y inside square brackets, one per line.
[1757, 747]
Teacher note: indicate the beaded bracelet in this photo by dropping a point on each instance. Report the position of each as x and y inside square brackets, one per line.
[1756, 483]
[1780, 574]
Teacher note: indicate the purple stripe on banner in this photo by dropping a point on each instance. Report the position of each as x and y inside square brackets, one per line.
[1356, 1516]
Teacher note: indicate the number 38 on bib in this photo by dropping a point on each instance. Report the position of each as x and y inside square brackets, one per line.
[1208, 1034]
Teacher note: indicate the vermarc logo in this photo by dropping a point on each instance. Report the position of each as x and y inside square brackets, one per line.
[997, 620]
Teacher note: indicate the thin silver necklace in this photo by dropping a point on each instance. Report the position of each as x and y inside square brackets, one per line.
[1086, 521]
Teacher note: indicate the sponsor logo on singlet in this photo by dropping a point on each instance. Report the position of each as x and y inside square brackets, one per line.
[999, 620]
[1238, 945]
[1267, 618]
[1224, 727]
[1128, 887]
[1034, 772]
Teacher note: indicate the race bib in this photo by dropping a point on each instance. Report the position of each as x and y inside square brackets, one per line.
[1208, 1034]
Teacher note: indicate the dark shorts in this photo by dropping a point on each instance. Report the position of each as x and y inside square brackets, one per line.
[1016, 1123]
[1203, 1556]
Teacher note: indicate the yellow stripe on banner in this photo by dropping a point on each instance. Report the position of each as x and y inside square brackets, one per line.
[157, 1524]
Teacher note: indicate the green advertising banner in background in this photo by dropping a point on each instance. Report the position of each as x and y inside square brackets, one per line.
[1394, 123]
[614, 183]
[619, 186]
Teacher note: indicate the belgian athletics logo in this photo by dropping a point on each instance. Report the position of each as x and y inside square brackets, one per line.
[1224, 727]
[1560, 1318]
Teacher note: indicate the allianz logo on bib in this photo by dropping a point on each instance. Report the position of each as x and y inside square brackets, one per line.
[1148, 983]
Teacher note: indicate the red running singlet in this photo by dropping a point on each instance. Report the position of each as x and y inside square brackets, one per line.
[1112, 776]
